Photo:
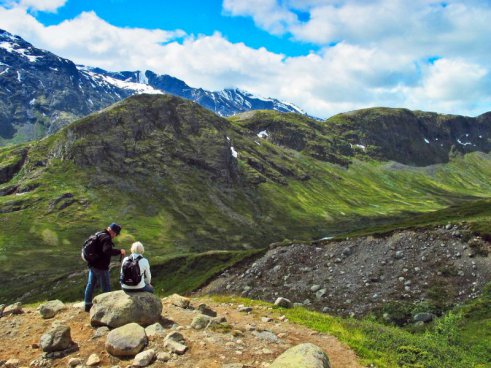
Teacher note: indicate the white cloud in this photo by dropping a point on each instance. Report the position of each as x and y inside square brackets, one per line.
[355, 73]
[267, 14]
[39, 5]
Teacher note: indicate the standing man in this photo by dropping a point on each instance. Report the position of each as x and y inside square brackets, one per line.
[99, 267]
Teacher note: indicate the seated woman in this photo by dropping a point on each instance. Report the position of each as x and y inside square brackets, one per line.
[135, 271]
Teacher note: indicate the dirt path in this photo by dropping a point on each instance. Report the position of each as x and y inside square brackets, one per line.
[20, 334]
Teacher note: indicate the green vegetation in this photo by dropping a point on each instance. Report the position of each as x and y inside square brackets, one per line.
[461, 338]
[162, 167]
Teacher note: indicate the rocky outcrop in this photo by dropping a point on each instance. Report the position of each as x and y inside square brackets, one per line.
[446, 264]
[302, 356]
[118, 308]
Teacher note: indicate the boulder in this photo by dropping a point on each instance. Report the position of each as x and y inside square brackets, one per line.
[127, 340]
[116, 309]
[179, 301]
[283, 302]
[175, 343]
[15, 308]
[144, 358]
[302, 356]
[49, 309]
[58, 338]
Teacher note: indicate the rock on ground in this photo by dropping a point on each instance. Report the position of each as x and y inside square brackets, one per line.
[51, 308]
[144, 358]
[179, 301]
[175, 343]
[154, 330]
[15, 308]
[58, 338]
[127, 340]
[117, 309]
[283, 302]
[93, 360]
[302, 356]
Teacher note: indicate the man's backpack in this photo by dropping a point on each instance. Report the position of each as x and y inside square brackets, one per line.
[130, 274]
[92, 248]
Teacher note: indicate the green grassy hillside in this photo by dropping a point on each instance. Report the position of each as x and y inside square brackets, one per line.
[165, 169]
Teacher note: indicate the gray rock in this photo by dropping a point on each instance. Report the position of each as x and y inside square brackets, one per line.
[93, 360]
[127, 340]
[144, 358]
[164, 356]
[154, 330]
[15, 308]
[320, 293]
[424, 317]
[347, 251]
[175, 343]
[101, 331]
[58, 338]
[117, 309]
[200, 322]
[283, 302]
[179, 301]
[302, 356]
[204, 309]
[51, 308]
[266, 336]
[73, 362]
[314, 288]
[399, 254]
[245, 309]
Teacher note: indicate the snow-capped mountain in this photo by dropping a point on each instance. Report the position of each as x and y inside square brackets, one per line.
[40, 91]
[225, 103]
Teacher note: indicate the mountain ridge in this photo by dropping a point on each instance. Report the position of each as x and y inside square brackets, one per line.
[41, 92]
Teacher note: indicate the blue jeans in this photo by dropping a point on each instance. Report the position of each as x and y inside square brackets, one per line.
[96, 278]
[147, 287]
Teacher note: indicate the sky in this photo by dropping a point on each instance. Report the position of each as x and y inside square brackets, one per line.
[325, 56]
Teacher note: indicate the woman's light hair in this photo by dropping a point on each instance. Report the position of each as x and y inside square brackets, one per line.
[137, 248]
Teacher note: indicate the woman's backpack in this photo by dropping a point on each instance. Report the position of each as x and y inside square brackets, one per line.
[130, 271]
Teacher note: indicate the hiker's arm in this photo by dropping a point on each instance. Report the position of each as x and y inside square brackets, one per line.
[148, 275]
[107, 248]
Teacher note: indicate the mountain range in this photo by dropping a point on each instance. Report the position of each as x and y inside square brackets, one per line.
[187, 182]
[41, 92]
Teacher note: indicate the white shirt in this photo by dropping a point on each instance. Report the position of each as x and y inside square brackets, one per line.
[144, 271]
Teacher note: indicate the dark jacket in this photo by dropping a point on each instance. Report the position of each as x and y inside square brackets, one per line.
[106, 251]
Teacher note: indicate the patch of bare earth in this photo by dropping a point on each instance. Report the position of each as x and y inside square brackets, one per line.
[208, 348]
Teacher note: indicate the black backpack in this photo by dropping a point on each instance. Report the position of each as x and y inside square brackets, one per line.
[92, 248]
[130, 274]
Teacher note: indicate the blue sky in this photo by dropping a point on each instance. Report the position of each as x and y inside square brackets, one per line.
[326, 56]
[192, 16]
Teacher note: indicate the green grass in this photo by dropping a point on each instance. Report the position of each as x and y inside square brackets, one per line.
[173, 185]
[447, 344]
